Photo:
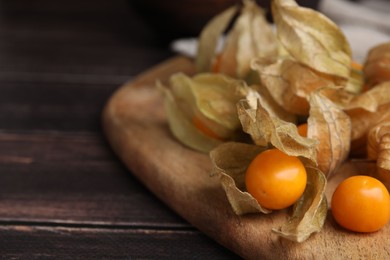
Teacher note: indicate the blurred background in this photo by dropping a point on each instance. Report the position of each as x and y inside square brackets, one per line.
[365, 22]
[184, 18]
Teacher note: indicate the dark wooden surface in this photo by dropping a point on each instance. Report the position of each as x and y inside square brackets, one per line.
[63, 193]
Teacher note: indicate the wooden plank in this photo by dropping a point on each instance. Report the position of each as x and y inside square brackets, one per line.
[63, 194]
[54, 177]
[56, 73]
[106, 38]
[86, 6]
[52, 106]
[42, 242]
[59, 58]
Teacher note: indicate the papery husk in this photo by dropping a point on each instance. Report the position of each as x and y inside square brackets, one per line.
[309, 213]
[211, 99]
[266, 128]
[383, 161]
[230, 162]
[209, 37]
[355, 82]
[251, 36]
[258, 93]
[216, 96]
[377, 65]
[366, 110]
[312, 38]
[378, 148]
[331, 127]
[290, 83]
[372, 99]
[182, 127]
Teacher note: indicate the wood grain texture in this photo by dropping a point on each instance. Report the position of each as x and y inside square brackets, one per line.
[63, 193]
[52, 105]
[66, 195]
[42, 242]
[136, 127]
[72, 178]
[102, 38]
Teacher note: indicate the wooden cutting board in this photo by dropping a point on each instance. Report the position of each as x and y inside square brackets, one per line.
[135, 125]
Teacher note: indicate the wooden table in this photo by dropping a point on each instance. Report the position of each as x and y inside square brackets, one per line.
[63, 193]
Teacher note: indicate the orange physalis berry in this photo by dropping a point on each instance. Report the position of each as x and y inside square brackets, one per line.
[276, 180]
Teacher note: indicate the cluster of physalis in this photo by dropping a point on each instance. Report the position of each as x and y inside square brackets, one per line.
[280, 108]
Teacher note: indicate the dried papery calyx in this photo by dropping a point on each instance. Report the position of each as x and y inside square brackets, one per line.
[377, 65]
[366, 110]
[259, 118]
[210, 37]
[378, 148]
[251, 36]
[356, 81]
[309, 212]
[202, 110]
[230, 162]
[331, 127]
[263, 123]
[290, 82]
[312, 38]
[315, 55]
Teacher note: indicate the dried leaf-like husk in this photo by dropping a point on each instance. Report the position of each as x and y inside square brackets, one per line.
[290, 83]
[331, 127]
[310, 211]
[209, 37]
[372, 99]
[378, 148]
[374, 138]
[366, 110]
[311, 38]
[230, 163]
[214, 96]
[258, 93]
[383, 161]
[266, 128]
[182, 127]
[377, 66]
[355, 82]
[211, 98]
[251, 36]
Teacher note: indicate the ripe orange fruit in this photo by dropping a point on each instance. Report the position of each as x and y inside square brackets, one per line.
[275, 179]
[361, 203]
